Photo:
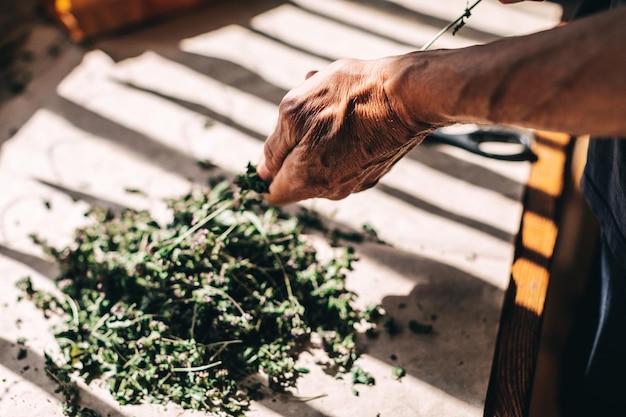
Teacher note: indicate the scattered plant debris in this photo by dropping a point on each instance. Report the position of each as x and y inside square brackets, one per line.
[361, 377]
[312, 219]
[398, 372]
[206, 164]
[390, 325]
[131, 190]
[250, 181]
[420, 328]
[22, 351]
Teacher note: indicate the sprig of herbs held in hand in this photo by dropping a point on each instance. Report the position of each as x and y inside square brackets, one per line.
[250, 181]
[457, 24]
[187, 311]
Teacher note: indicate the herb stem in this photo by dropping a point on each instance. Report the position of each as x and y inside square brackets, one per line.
[197, 226]
[193, 322]
[129, 362]
[450, 26]
[198, 368]
[263, 233]
[74, 309]
[231, 299]
[100, 322]
[221, 349]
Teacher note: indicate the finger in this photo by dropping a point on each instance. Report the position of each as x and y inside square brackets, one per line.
[277, 147]
[262, 170]
[291, 184]
[286, 190]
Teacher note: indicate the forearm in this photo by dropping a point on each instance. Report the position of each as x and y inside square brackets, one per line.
[571, 78]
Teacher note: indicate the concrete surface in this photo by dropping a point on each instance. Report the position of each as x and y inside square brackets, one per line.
[130, 112]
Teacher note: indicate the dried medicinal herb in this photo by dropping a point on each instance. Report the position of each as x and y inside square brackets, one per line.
[250, 180]
[420, 328]
[186, 311]
[131, 190]
[398, 372]
[312, 219]
[456, 25]
[360, 376]
[22, 352]
[206, 164]
[390, 325]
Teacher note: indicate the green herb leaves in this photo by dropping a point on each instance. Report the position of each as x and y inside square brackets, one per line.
[250, 180]
[185, 311]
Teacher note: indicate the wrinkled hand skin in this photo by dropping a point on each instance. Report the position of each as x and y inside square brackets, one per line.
[337, 134]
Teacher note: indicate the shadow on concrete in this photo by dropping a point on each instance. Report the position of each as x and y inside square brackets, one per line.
[146, 148]
[32, 368]
[229, 73]
[44, 267]
[422, 19]
[460, 339]
[428, 154]
[164, 36]
[87, 198]
[441, 212]
[200, 109]
[464, 312]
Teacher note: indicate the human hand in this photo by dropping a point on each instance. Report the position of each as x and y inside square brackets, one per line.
[337, 133]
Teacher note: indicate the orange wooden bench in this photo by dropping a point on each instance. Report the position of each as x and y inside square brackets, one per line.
[517, 345]
[554, 250]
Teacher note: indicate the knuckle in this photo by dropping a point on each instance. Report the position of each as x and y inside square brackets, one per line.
[270, 156]
[339, 195]
[367, 185]
[290, 105]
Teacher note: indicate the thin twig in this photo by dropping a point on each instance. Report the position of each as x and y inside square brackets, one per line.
[195, 227]
[450, 26]
[198, 368]
[255, 222]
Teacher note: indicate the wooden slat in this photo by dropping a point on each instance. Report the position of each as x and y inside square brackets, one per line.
[517, 345]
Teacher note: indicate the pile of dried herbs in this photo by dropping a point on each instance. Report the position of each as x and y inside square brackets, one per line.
[185, 312]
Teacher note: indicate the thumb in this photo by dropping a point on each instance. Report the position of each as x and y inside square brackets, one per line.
[262, 170]
[287, 188]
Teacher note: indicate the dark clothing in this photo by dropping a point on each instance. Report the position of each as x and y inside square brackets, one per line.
[593, 382]
[601, 334]
[604, 186]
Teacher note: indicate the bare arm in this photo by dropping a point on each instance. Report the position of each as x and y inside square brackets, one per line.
[345, 127]
[571, 79]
